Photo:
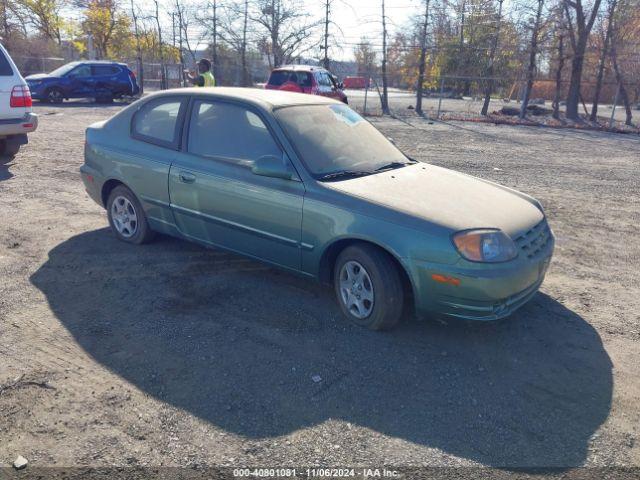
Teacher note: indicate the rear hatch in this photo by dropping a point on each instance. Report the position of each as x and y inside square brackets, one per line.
[290, 80]
[9, 78]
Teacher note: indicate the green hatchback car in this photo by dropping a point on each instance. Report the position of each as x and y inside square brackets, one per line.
[305, 183]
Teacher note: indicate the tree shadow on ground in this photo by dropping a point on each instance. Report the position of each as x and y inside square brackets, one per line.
[237, 344]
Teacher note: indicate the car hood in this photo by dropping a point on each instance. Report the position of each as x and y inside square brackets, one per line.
[445, 197]
[37, 76]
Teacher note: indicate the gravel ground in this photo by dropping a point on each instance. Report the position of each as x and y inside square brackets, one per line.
[174, 355]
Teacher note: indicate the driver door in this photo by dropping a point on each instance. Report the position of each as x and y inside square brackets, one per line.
[217, 199]
[80, 81]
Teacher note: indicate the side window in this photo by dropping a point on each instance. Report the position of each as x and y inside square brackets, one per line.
[157, 122]
[81, 71]
[104, 70]
[5, 66]
[324, 80]
[231, 132]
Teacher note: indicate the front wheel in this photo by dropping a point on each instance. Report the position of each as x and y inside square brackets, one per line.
[368, 287]
[127, 218]
[55, 95]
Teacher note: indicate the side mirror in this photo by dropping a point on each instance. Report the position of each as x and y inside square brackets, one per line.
[272, 166]
[341, 86]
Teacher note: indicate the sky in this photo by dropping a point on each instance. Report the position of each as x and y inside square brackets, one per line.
[362, 18]
[352, 19]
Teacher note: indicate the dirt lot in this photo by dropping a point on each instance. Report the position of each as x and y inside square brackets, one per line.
[171, 354]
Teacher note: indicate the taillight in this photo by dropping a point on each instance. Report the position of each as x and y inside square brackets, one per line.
[20, 97]
[132, 74]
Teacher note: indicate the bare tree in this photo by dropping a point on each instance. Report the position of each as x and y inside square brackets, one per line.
[288, 29]
[234, 31]
[560, 59]
[423, 57]
[580, 23]
[492, 58]
[136, 31]
[185, 17]
[44, 16]
[366, 58]
[618, 41]
[533, 51]
[606, 37]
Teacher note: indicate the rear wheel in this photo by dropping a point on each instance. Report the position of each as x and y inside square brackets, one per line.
[55, 95]
[127, 218]
[368, 287]
[9, 149]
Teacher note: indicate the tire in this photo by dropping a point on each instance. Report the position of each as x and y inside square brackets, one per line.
[127, 218]
[9, 149]
[380, 281]
[55, 95]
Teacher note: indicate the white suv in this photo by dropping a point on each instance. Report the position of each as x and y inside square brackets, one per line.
[16, 118]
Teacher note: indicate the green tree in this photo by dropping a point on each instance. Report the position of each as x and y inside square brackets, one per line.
[109, 28]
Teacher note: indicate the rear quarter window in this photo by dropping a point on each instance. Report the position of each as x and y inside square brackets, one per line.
[278, 78]
[5, 66]
[105, 70]
[159, 122]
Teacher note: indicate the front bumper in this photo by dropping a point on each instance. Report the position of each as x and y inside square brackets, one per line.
[18, 126]
[486, 292]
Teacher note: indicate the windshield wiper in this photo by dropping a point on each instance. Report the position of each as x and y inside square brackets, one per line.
[343, 173]
[392, 165]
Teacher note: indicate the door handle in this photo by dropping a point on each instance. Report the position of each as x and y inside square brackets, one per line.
[187, 177]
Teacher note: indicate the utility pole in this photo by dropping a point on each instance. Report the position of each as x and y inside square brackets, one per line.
[173, 29]
[423, 58]
[163, 73]
[179, 12]
[245, 76]
[385, 94]
[274, 34]
[325, 62]
[214, 43]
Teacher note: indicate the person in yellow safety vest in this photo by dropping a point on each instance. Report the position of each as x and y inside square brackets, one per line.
[205, 77]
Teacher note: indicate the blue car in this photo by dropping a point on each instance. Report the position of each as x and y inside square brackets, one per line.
[101, 80]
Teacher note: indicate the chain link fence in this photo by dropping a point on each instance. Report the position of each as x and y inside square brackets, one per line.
[31, 65]
[446, 96]
[462, 97]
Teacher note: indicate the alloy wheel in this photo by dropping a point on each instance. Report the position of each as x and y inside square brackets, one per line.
[124, 216]
[356, 289]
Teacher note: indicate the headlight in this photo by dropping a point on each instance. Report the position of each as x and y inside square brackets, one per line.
[485, 245]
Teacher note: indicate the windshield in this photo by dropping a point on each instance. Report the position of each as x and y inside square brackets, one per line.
[64, 69]
[334, 138]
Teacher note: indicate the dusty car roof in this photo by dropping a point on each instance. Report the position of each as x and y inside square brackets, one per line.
[258, 96]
